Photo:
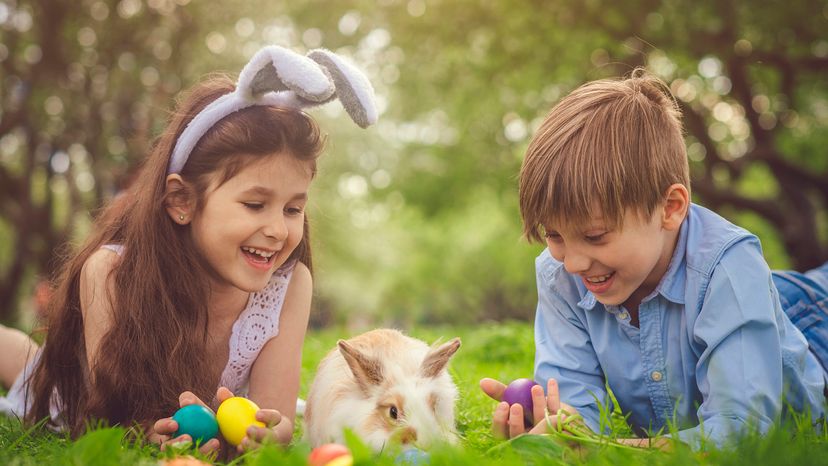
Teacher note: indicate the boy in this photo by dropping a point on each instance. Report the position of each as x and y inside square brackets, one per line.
[666, 302]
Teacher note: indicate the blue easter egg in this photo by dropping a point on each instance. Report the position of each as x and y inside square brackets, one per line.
[413, 457]
[196, 421]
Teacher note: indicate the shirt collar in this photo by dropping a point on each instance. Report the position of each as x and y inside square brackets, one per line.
[672, 283]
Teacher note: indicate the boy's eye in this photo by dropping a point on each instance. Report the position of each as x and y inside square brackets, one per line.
[594, 238]
[553, 235]
[253, 205]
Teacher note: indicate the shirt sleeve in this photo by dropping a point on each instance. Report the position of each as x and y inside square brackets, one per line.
[739, 372]
[563, 351]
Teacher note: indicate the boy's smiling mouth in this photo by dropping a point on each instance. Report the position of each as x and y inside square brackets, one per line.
[598, 284]
[599, 278]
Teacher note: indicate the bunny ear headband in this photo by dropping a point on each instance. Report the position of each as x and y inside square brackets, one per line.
[279, 77]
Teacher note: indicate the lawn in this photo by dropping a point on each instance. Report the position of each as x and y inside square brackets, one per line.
[503, 351]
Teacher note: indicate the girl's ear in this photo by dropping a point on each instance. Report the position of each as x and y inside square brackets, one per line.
[178, 199]
[676, 205]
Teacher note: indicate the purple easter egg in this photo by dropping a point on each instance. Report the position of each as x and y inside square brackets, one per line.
[520, 392]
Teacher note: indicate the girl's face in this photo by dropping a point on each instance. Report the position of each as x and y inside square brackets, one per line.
[619, 266]
[250, 224]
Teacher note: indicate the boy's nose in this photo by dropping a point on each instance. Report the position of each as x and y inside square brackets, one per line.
[576, 263]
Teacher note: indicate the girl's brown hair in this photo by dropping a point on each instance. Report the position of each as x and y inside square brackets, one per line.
[615, 144]
[155, 348]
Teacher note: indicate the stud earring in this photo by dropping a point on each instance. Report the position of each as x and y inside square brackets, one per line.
[181, 217]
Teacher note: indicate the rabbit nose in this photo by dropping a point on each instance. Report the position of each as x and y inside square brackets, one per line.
[408, 435]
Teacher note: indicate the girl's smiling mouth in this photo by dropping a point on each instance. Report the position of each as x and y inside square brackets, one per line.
[259, 258]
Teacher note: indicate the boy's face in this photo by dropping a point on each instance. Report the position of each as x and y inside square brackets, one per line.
[250, 224]
[619, 266]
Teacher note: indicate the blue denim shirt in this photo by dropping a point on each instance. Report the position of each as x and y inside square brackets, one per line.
[713, 354]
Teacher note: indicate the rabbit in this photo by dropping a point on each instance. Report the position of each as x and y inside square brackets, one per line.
[385, 387]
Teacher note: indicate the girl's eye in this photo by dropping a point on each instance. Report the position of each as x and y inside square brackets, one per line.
[294, 210]
[253, 205]
[393, 412]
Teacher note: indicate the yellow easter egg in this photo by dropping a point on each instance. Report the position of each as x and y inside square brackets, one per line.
[234, 416]
[344, 460]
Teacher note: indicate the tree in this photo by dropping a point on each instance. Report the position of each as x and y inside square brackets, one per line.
[416, 219]
[80, 81]
[468, 81]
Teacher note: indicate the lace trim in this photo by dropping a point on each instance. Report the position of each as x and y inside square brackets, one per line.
[256, 325]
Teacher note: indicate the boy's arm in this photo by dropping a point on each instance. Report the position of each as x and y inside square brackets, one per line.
[739, 373]
[564, 352]
[274, 377]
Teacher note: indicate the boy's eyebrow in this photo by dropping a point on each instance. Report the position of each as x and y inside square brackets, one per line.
[267, 192]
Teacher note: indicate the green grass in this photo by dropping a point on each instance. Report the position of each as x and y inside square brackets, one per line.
[503, 351]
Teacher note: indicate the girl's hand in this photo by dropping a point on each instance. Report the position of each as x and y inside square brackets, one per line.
[163, 430]
[258, 435]
[507, 421]
[255, 435]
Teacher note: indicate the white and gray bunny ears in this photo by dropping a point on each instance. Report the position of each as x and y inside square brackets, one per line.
[279, 77]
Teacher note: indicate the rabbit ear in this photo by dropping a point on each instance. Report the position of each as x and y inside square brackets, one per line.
[367, 371]
[352, 87]
[276, 69]
[436, 359]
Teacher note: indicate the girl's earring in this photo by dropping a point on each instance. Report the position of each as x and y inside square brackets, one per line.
[181, 217]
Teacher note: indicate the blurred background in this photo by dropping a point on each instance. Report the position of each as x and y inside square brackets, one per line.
[414, 221]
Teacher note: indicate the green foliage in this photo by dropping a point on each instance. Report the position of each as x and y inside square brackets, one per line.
[794, 443]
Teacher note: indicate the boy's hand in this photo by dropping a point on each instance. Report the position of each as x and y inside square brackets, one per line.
[163, 429]
[507, 421]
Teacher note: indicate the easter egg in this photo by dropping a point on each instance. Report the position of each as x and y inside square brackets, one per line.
[183, 461]
[412, 456]
[325, 454]
[196, 421]
[344, 460]
[520, 392]
[234, 416]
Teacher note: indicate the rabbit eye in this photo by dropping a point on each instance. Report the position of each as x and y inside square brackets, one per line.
[393, 412]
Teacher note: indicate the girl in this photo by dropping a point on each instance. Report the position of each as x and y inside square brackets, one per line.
[200, 275]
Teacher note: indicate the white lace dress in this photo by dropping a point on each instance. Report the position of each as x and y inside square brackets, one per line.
[255, 326]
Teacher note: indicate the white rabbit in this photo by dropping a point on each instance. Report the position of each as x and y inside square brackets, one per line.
[386, 387]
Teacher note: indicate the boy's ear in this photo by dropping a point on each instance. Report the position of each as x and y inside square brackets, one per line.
[676, 205]
[178, 200]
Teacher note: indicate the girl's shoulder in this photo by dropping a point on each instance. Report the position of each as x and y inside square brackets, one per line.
[301, 276]
[293, 274]
[269, 301]
[99, 264]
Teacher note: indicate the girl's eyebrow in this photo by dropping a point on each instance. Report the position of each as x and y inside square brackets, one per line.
[267, 192]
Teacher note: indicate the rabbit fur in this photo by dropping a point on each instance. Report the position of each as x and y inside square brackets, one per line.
[385, 387]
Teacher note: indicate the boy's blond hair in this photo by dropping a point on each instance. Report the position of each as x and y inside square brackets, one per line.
[610, 144]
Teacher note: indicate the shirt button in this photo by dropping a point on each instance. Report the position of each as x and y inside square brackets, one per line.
[623, 315]
[656, 376]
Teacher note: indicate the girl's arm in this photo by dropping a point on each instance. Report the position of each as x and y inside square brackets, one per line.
[274, 377]
[96, 290]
